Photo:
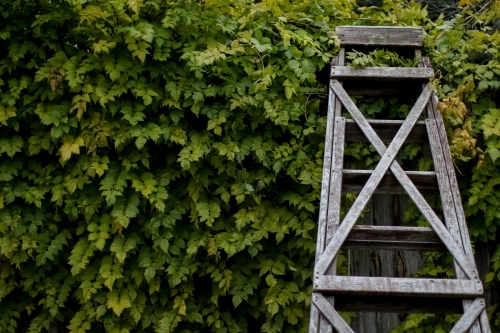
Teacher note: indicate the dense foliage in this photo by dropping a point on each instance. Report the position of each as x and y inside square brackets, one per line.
[161, 160]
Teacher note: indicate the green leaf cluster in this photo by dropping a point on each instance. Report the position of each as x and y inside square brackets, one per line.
[379, 58]
[161, 163]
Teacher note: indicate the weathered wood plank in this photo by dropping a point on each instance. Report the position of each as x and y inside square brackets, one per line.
[385, 73]
[329, 312]
[398, 304]
[418, 55]
[415, 195]
[354, 180]
[317, 321]
[385, 286]
[386, 130]
[383, 36]
[314, 319]
[485, 323]
[325, 326]
[335, 194]
[452, 208]
[393, 238]
[385, 162]
[469, 316]
[326, 179]
[341, 57]
[459, 222]
[449, 208]
[334, 199]
[334, 111]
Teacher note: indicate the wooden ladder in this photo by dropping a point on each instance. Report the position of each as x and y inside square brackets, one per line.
[331, 292]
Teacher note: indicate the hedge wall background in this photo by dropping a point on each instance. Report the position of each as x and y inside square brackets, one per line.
[161, 160]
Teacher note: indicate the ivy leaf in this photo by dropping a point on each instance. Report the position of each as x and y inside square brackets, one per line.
[118, 301]
[6, 113]
[70, 146]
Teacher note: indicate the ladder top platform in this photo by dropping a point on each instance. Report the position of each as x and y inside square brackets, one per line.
[412, 37]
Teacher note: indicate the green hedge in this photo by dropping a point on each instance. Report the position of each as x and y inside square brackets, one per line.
[161, 160]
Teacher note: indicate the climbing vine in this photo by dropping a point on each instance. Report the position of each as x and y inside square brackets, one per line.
[161, 161]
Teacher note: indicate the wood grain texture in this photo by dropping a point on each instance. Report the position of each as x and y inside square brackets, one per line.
[385, 162]
[484, 322]
[329, 312]
[380, 36]
[386, 130]
[354, 180]
[385, 286]
[456, 249]
[326, 179]
[453, 185]
[452, 207]
[334, 111]
[317, 322]
[334, 199]
[441, 152]
[385, 73]
[314, 318]
[469, 316]
[325, 326]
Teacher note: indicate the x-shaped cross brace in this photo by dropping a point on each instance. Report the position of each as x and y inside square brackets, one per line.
[387, 161]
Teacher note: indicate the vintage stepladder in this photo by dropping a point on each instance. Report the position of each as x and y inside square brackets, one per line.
[464, 293]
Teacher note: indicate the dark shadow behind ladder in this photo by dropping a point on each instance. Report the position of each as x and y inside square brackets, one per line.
[386, 294]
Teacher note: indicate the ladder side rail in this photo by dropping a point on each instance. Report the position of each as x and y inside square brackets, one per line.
[334, 207]
[456, 217]
[315, 316]
[317, 322]
[463, 231]
[450, 210]
[333, 218]
[453, 218]
[449, 206]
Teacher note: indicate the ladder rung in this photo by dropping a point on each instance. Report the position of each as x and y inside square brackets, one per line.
[386, 130]
[385, 286]
[397, 304]
[354, 180]
[385, 73]
[393, 238]
[383, 36]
